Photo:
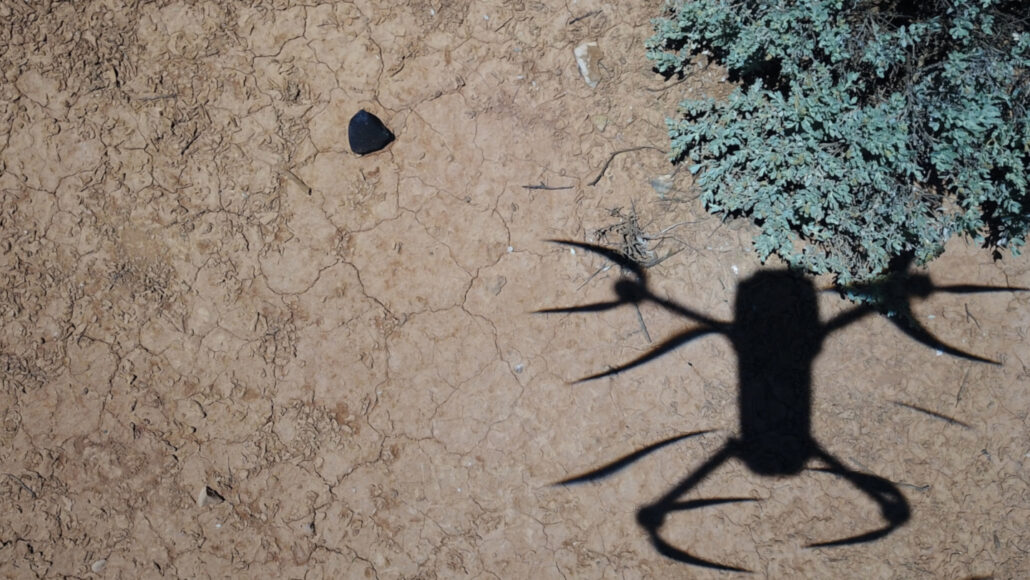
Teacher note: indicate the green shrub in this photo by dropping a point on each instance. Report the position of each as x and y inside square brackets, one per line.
[862, 131]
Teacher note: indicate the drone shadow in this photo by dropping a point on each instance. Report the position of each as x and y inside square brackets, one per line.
[776, 333]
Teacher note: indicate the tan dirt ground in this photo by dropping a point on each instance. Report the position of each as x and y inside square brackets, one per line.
[202, 287]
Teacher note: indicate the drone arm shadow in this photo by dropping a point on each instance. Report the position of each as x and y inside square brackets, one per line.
[893, 506]
[846, 318]
[652, 517]
[685, 312]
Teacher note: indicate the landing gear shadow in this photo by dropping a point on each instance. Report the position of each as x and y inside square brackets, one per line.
[777, 334]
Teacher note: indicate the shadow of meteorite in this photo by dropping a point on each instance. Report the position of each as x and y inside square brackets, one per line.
[777, 334]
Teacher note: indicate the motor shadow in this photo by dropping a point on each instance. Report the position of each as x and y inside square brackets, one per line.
[776, 333]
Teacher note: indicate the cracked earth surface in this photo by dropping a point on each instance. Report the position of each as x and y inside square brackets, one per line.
[202, 288]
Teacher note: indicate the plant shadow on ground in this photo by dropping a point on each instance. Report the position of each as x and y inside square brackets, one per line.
[777, 334]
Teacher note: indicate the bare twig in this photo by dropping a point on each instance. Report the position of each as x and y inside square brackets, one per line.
[666, 87]
[597, 179]
[961, 387]
[643, 327]
[547, 187]
[914, 486]
[293, 177]
[657, 261]
[604, 268]
[582, 17]
[23, 485]
[156, 97]
[969, 316]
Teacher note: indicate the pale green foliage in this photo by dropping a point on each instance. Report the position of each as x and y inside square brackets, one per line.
[863, 131]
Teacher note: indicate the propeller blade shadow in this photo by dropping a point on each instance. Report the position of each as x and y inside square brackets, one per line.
[920, 334]
[625, 461]
[596, 307]
[974, 289]
[612, 255]
[656, 352]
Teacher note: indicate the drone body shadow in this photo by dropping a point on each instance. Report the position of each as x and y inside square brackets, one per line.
[777, 334]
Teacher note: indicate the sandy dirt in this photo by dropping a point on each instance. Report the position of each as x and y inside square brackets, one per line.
[229, 347]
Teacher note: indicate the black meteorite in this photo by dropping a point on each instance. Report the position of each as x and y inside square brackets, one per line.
[367, 133]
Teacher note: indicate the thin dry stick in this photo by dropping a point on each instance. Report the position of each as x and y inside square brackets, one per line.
[657, 261]
[156, 97]
[604, 268]
[23, 485]
[621, 151]
[969, 316]
[643, 327]
[547, 187]
[674, 226]
[578, 18]
[666, 87]
[293, 177]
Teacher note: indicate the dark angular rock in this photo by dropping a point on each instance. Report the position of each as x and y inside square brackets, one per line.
[367, 133]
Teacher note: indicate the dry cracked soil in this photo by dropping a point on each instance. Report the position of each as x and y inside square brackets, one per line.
[230, 347]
